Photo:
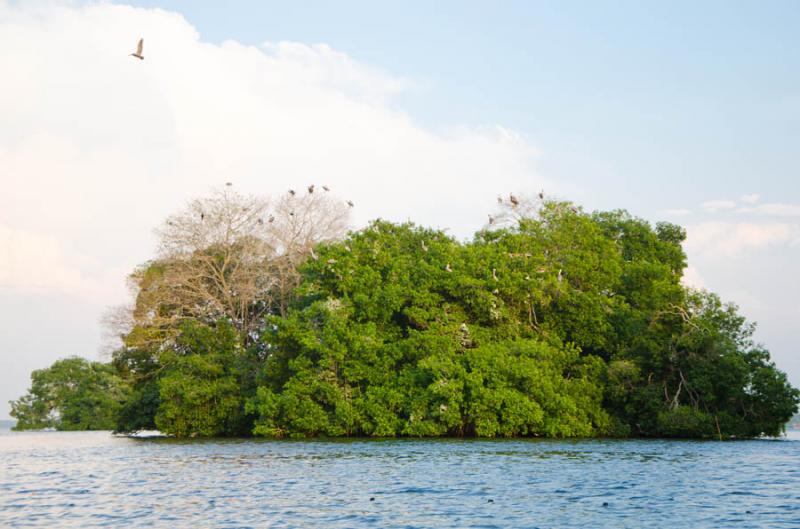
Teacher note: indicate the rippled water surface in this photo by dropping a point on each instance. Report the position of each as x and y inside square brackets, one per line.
[50, 479]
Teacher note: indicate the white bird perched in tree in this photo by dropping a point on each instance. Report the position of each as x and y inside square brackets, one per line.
[465, 338]
[447, 267]
[313, 255]
[424, 247]
[494, 274]
[560, 277]
[139, 47]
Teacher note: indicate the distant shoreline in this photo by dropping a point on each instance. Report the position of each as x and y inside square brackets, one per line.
[792, 434]
[8, 424]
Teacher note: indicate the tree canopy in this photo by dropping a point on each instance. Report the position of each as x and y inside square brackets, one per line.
[266, 318]
[72, 394]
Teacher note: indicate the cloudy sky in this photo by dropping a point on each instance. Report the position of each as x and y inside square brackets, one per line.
[673, 111]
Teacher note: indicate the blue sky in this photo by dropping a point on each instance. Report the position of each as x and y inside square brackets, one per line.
[675, 100]
[680, 111]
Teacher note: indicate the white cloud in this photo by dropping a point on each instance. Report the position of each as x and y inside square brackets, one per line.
[96, 147]
[775, 209]
[31, 263]
[692, 278]
[713, 206]
[34, 264]
[729, 239]
[750, 199]
[321, 64]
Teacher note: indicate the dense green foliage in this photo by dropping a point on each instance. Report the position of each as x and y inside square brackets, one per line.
[72, 394]
[385, 341]
[562, 324]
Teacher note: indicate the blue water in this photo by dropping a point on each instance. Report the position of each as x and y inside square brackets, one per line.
[51, 479]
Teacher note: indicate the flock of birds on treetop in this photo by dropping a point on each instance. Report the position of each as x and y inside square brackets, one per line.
[513, 200]
[292, 193]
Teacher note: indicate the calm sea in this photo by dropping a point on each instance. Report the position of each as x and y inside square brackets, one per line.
[51, 479]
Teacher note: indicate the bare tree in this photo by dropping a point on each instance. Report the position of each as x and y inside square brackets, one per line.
[116, 322]
[512, 209]
[299, 224]
[232, 256]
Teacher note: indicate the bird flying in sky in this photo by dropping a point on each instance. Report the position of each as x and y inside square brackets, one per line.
[139, 47]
